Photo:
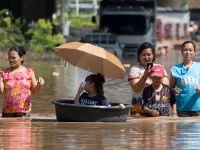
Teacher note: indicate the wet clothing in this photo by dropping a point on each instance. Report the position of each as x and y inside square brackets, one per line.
[15, 115]
[159, 101]
[136, 72]
[187, 79]
[17, 90]
[188, 113]
[99, 99]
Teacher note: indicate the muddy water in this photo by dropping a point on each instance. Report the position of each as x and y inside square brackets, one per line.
[42, 131]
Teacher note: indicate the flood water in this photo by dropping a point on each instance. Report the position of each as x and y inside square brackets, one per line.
[42, 131]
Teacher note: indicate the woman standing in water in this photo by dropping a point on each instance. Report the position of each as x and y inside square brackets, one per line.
[184, 80]
[139, 75]
[16, 83]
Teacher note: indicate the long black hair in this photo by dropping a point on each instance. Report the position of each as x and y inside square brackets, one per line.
[20, 50]
[143, 46]
[98, 80]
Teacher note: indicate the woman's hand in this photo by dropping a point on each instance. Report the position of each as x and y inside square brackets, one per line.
[36, 84]
[1, 83]
[146, 73]
[80, 90]
[176, 91]
[81, 87]
[197, 89]
[40, 81]
[174, 115]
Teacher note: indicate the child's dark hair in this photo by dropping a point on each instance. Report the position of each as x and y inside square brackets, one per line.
[188, 42]
[98, 80]
[143, 46]
[20, 50]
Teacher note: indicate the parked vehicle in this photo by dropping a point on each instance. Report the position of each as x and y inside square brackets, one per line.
[136, 21]
[107, 41]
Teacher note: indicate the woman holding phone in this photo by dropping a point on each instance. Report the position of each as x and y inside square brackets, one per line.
[139, 75]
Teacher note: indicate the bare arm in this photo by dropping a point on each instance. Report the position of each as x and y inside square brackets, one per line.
[172, 82]
[147, 110]
[165, 81]
[173, 85]
[80, 90]
[138, 84]
[174, 109]
[1, 85]
[36, 84]
[76, 100]
[154, 113]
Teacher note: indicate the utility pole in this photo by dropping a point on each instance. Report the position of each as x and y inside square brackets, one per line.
[95, 6]
[77, 7]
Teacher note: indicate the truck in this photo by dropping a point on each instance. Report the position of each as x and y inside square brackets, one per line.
[136, 21]
[108, 41]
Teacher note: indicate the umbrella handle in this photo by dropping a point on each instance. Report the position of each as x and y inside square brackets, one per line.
[65, 63]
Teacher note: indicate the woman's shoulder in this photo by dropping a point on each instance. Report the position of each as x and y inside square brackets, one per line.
[177, 66]
[136, 70]
[3, 70]
[137, 66]
[196, 63]
[30, 69]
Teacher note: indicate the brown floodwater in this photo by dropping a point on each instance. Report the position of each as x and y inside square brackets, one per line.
[42, 131]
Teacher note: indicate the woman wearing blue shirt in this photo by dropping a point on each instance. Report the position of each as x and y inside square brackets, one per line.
[94, 91]
[184, 80]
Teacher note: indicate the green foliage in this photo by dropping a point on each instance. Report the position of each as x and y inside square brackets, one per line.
[10, 31]
[84, 20]
[172, 3]
[42, 38]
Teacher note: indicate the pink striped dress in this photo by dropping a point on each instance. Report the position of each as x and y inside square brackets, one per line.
[17, 90]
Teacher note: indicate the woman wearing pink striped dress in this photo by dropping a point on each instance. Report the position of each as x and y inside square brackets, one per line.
[16, 83]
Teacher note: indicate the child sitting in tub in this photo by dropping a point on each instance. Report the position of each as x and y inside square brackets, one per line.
[93, 86]
[93, 94]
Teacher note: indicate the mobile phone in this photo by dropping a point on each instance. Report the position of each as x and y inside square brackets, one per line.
[149, 65]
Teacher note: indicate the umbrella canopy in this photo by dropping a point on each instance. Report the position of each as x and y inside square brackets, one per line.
[92, 58]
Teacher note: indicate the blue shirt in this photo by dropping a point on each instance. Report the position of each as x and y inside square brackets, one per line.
[99, 99]
[187, 79]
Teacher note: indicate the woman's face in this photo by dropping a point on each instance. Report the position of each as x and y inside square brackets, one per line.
[146, 56]
[188, 51]
[14, 59]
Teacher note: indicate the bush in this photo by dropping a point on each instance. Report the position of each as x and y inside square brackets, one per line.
[39, 35]
[84, 20]
[42, 38]
[10, 31]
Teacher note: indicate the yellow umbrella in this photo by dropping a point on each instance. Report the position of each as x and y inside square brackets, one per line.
[92, 58]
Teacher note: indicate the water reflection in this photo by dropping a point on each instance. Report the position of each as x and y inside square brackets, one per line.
[187, 136]
[15, 134]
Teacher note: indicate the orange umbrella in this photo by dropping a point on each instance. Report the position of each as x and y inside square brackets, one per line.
[92, 58]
